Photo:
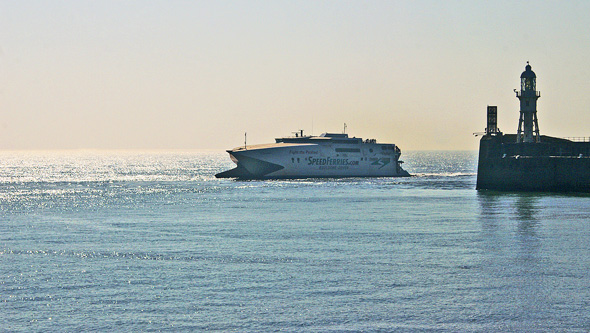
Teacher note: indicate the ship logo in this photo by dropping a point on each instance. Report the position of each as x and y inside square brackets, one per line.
[380, 161]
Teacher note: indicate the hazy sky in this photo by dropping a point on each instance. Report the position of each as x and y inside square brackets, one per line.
[198, 74]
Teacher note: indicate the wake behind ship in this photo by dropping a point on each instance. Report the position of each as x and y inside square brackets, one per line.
[328, 155]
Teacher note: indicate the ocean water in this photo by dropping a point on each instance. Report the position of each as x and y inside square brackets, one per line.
[151, 241]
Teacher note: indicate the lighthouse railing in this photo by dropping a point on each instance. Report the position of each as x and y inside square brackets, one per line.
[525, 93]
[578, 138]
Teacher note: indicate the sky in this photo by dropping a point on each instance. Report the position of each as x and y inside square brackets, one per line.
[199, 74]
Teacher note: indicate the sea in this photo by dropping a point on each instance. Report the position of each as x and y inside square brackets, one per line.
[140, 241]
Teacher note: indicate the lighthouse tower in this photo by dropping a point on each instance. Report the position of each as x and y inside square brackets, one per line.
[528, 126]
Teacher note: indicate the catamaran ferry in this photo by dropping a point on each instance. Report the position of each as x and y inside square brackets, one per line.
[328, 155]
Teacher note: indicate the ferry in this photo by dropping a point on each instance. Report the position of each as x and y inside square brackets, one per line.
[330, 155]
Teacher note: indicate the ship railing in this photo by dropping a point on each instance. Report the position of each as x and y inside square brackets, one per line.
[578, 139]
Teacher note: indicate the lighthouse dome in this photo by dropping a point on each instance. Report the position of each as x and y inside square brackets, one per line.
[528, 72]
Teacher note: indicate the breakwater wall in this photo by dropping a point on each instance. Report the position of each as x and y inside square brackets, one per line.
[554, 164]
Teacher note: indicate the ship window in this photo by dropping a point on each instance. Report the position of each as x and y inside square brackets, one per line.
[347, 142]
[348, 150]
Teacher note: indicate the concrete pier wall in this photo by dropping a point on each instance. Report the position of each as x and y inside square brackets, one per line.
[555, 165]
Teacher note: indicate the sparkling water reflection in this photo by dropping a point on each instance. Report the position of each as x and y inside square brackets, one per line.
[152, 241]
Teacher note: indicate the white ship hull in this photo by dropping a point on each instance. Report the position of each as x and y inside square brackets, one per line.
[315, 157]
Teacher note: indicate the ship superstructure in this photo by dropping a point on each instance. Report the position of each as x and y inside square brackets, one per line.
[327, 155]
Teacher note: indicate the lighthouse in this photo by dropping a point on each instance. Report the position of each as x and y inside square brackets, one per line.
[528, 126]
[521, 162]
